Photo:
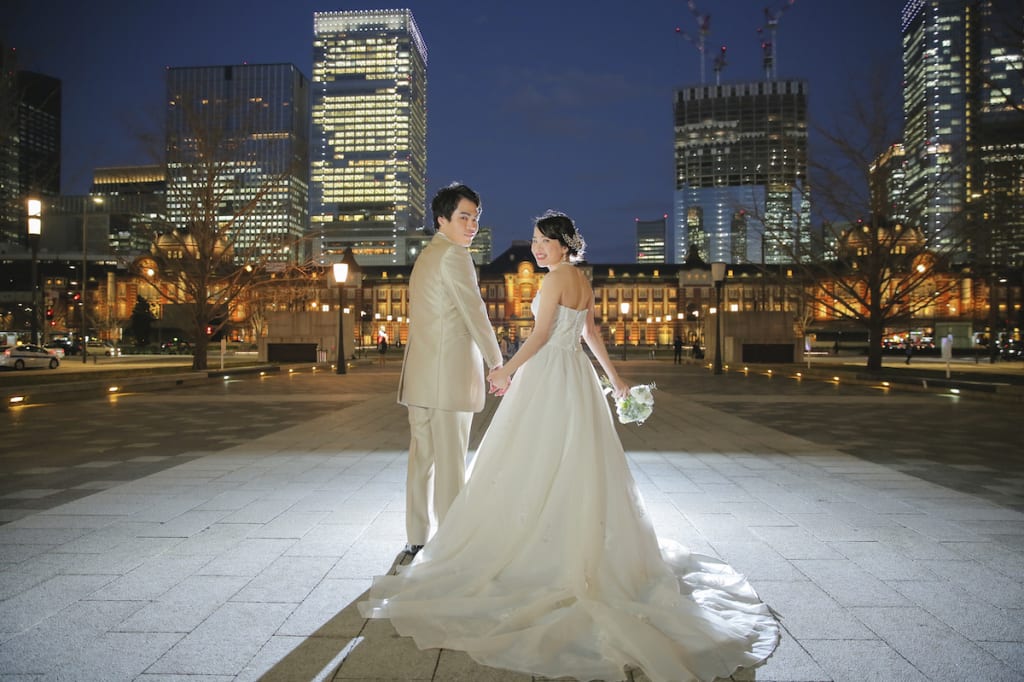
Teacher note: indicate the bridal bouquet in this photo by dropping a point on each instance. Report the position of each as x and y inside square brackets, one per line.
[637, 406]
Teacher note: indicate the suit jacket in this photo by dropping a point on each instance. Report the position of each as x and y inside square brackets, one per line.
[450, 335]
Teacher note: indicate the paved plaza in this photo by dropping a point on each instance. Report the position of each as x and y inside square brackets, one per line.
[223, 530]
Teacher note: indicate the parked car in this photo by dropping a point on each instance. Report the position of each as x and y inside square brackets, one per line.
[96, 347]
[27, 355]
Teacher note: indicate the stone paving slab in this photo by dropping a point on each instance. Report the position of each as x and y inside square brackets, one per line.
[244, 560]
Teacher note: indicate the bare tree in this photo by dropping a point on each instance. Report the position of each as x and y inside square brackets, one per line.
[868, 268]
[211, 261]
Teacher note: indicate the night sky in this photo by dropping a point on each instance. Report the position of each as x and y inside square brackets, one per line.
[536, 104]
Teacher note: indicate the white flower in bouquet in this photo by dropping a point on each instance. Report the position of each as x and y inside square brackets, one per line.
[638, 404]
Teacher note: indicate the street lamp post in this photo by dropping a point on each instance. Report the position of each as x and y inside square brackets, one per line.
[35, 231]
[718, 275]
[340, 275]
[624, 310]
[85, 243]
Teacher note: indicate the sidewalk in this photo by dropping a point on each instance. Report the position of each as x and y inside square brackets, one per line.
[246, 563]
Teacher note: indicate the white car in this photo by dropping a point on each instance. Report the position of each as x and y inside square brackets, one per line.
[56, 350]
[27, 355]
[102, 348]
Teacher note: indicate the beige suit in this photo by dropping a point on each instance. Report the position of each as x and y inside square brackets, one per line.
[442, 382]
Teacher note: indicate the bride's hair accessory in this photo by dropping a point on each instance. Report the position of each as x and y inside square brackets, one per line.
[557, 225]
[576, 244]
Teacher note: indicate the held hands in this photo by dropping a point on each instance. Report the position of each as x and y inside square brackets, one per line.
[499, 380]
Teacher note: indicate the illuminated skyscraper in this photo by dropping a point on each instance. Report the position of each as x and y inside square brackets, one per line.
[963, 106]
[139, 194]
[887, 179]
[248, 125]
[30, 143]
[369, 151]
[650, 240]
[741, 170]
[935, 112]
[482, 246]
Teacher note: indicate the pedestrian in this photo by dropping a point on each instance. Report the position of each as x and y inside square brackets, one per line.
[835, 347]
[677, 350]
[909, 351]
[382, 347]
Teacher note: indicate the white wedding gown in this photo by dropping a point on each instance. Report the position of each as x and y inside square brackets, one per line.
[547, 562]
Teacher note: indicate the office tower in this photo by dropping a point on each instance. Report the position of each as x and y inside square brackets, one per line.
[30, 122]
[137, 194]
[482, 246]
[963, 105]
[937, 115]
[741, 170]
[887, 184]
[238, 145]
[650, 240]
[997, 162]
[369, 135]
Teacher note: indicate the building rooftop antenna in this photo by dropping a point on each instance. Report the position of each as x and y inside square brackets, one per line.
[703, 29]
[768, 43]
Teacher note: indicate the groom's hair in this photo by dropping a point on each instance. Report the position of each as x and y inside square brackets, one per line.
[447, 200]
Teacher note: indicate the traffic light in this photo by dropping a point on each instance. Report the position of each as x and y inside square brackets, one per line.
[49, 313]
[209, 330]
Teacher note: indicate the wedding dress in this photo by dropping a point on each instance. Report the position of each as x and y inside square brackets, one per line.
[547, 562]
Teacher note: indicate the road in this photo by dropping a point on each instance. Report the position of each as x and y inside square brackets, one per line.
[53, 453]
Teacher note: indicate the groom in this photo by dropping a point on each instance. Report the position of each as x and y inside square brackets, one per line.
[442, 382]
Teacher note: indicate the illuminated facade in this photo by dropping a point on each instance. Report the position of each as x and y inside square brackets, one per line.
[741, 171]
[238, 145]
[369, 154]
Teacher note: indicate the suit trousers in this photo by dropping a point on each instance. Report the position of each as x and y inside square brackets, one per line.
[437, 454]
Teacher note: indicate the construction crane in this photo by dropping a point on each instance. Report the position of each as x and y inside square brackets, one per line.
[768, 44]
[719, 64]
[703, 29]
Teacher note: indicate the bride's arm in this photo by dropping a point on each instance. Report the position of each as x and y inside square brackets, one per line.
[547, 309]
[593, 338]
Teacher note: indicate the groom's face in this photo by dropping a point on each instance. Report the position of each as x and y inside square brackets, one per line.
[463, 225]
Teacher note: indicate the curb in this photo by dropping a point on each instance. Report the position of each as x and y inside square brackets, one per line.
[17, 396]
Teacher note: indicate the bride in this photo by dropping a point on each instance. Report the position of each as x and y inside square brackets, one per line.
[547, 562]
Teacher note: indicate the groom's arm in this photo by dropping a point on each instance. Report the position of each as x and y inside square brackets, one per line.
[459, 272]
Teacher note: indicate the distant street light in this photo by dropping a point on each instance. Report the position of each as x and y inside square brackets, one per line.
[340, 275]
[35, 231]
[624, 310]
[718, 275]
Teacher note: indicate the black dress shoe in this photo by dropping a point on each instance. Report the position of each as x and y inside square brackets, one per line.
[412, 550]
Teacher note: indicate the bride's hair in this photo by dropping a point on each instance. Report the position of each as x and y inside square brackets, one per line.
[557, 225]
